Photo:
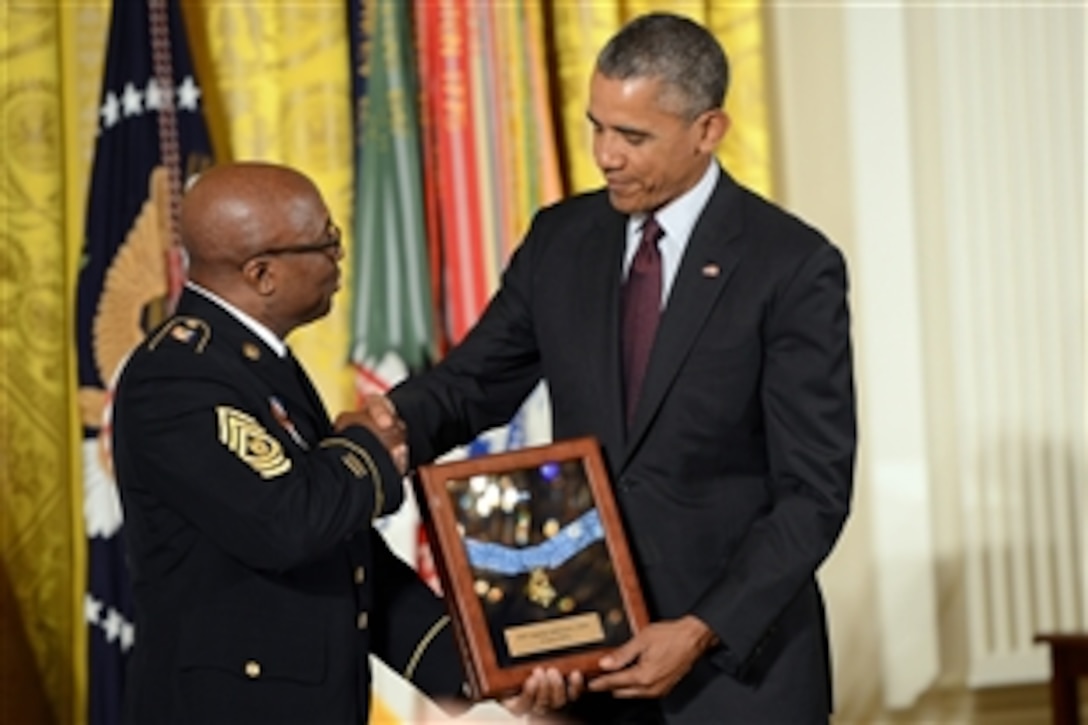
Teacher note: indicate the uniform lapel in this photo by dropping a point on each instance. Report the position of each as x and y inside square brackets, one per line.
[711, 256]
[294, 404]
[295, 393]
[316, 406]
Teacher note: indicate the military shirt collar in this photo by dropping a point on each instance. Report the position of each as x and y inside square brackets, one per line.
[267, 336]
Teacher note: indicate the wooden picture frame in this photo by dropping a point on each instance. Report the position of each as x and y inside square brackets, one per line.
[534, 563]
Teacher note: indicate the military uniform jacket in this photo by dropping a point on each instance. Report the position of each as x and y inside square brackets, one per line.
[260, 586]
[734, 477]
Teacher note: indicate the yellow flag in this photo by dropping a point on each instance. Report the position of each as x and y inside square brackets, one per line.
[534, 158]
[83, 32]
[581, 29]
[694, 9]
[280, 71]
[746, 152]
[40, 501]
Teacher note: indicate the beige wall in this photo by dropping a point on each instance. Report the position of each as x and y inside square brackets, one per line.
[808, 48]
[819, 155]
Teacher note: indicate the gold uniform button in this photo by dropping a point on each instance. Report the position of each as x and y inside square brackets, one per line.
[253, 669]
[362, 620]
[360, 575]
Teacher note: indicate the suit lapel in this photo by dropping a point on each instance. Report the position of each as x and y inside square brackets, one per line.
[708, 263]
[601, 269]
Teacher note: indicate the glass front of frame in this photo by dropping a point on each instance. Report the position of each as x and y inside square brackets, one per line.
[536, 548]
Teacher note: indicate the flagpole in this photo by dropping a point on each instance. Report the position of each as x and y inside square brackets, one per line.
[158, 21]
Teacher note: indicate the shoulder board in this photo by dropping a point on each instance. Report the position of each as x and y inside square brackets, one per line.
[189, 331]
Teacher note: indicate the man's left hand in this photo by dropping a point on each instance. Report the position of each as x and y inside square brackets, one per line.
[653, 661]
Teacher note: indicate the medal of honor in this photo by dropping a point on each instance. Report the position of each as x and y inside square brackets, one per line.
[540, 589]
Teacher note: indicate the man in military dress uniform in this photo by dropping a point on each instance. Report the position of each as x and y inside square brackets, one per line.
[260, 585]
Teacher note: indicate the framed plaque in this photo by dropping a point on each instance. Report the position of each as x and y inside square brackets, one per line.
[533, 561]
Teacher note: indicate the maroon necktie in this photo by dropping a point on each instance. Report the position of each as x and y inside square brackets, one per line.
[641, 310]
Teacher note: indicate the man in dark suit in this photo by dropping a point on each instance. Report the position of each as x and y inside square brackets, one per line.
[260, 585]
[702, 335]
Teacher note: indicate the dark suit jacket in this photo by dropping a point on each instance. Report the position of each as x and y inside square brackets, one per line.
[735, 478]
[259, 585]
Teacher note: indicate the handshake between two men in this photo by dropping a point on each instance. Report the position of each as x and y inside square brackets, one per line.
[380, 417]
[546, 689]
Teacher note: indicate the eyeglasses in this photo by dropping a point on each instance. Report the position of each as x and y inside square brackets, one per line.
[330, 242]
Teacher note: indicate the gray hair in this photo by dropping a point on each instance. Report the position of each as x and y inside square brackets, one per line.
[679, 51]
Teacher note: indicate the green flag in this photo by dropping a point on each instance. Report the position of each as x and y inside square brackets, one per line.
[392, 318]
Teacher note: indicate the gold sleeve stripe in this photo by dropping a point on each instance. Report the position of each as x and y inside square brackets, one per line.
[371, 466]
[423, 644]
[352, 462]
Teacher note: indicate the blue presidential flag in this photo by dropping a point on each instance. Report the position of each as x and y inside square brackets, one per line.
[151, 135]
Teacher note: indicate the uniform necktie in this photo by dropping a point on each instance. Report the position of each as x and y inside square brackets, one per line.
[641, 310]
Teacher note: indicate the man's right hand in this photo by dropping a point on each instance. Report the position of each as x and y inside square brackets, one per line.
[382, 410]
[378, 415]
[545, 691]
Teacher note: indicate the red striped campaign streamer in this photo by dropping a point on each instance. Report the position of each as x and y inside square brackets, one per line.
[458, 175]
[491, 137]
[489, 145]
[496, 76]
[426, 37]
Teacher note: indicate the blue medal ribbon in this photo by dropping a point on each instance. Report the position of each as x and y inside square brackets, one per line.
[570, 540]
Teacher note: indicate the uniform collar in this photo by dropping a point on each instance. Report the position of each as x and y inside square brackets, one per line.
[269, 338]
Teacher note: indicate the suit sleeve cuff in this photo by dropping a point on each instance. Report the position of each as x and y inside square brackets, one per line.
[723, 658]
